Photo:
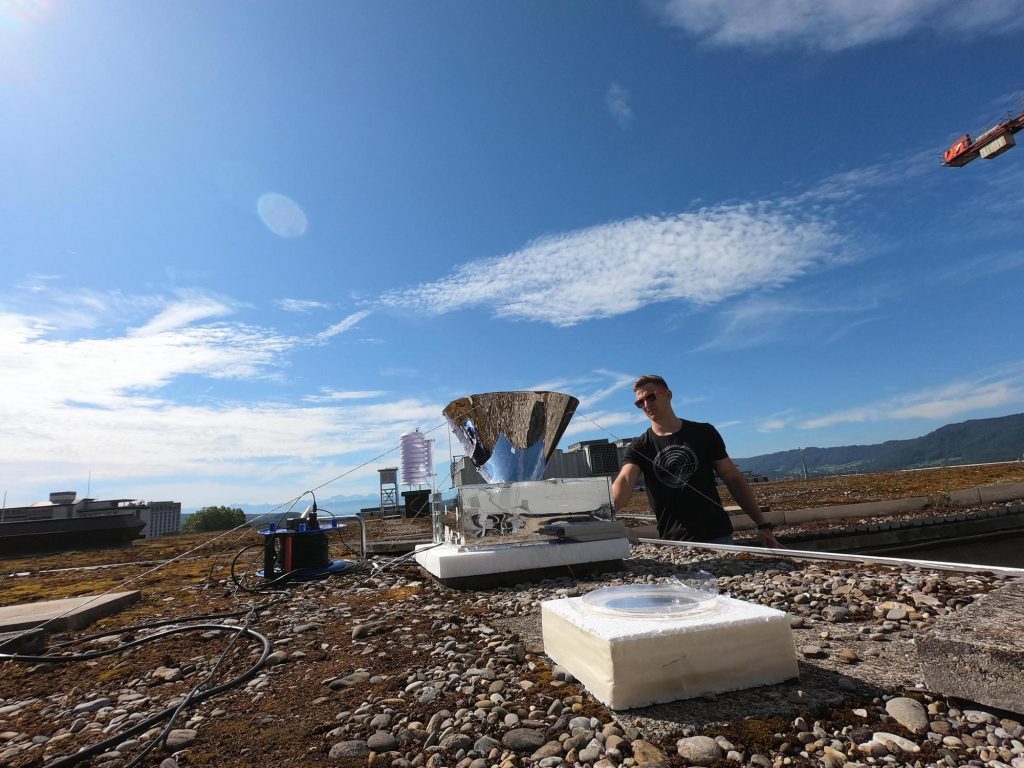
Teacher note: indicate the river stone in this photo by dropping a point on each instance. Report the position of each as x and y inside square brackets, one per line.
[834, 613]
[523, 739]
[833, 758]
[699, 750]
[644, 752]
[277, 657]
[349, 749]
[891, 740]
[382, 741]
[180, 738]
[354, 679]
[908, 712]
[92, 706]
[456, 741]
[485, 744]
[550, 749]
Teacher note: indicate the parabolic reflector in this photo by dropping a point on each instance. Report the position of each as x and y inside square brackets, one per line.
[509, 436]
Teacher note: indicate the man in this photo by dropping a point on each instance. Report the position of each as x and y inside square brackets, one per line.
[679, 459]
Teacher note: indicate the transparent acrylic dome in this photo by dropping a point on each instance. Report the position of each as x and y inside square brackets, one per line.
[649, 601]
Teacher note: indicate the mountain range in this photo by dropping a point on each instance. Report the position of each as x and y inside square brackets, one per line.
[977, 441]
[345, 504]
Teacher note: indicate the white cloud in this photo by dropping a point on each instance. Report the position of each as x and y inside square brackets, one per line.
[702, 257]
[331, 395]
[184, 312]
[833, 25]
[609, 424]
[774, 423]
[347, 324]
[591, 388]
[617, 102]
[38, 283]
[299, 305]
[938, 404]
[71, 406]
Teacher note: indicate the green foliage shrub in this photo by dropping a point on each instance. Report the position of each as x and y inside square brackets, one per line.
[213, 519]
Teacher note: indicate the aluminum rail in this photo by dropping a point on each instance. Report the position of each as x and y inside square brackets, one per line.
[802, 554]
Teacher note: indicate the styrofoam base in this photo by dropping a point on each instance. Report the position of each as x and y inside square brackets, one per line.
[452, 566]
[632, 662]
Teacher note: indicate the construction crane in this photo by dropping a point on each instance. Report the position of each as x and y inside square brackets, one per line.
[991, 143]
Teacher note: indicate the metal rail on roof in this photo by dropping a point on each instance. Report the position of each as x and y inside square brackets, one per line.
[801, 554]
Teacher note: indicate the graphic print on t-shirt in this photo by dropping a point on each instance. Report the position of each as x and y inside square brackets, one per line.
[674, 465]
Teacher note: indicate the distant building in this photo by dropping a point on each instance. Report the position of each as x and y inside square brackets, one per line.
[66, 522]
[161, 518]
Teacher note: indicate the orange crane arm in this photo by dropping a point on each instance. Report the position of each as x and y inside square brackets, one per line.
[991, 143]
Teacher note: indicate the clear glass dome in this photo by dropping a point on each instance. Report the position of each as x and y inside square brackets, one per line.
[649, 601]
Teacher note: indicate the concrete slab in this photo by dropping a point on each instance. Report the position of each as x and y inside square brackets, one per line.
[861, 509]
[62, 615]
[977, 653]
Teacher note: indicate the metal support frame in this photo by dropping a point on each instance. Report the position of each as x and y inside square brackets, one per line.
[388, 491]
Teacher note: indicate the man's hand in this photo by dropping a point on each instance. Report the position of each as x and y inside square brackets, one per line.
[766, 538]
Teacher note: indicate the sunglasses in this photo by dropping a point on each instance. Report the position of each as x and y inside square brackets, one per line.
[650, 397]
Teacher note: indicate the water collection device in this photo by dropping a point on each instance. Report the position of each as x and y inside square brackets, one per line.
[516, 526]
[300, 550]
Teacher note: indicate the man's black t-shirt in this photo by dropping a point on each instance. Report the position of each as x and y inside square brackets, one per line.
[679, 474]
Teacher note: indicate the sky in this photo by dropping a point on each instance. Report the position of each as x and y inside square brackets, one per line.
[244, 246]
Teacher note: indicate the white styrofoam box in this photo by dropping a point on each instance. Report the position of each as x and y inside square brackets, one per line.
[449, 561]
[629, 661]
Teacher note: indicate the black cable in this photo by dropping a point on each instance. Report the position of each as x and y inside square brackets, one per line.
[144, 725]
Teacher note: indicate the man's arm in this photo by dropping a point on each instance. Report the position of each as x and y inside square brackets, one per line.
[622, 486]
[744, 496]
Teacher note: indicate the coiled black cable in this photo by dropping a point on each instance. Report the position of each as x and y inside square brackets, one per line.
[193, 698]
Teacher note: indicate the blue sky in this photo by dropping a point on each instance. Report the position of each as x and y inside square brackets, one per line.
[246, 245]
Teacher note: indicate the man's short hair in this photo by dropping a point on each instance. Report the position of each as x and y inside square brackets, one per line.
[647, 379]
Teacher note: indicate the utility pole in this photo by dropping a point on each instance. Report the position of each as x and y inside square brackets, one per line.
[803, 463]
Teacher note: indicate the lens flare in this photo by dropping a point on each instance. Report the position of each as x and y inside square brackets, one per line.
[282, 215]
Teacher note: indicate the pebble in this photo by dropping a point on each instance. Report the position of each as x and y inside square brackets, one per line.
[909, 713]
[475, 695]
[699, 750]
[179, 738]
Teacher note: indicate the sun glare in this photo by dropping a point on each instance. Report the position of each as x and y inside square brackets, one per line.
[282, 215]
[19, 14]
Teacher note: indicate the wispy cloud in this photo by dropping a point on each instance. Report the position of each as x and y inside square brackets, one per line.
[617, 102]
[345, 325]
[37, 283]
[998, 389]
[973, 268]
[591, 388]
[775, 422]
[701, 257]
[331, 395]
[833, 25]
[801, 316]
[299, 305]
[183, 312]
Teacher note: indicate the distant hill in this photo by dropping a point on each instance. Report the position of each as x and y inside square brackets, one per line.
[970, 442]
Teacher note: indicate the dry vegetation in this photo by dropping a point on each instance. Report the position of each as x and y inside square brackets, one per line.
[852, 489]
[188, 576]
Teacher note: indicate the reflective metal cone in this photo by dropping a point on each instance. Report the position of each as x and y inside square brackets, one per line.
[509, 436]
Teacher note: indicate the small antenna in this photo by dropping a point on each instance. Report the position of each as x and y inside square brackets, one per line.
[88, 485]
